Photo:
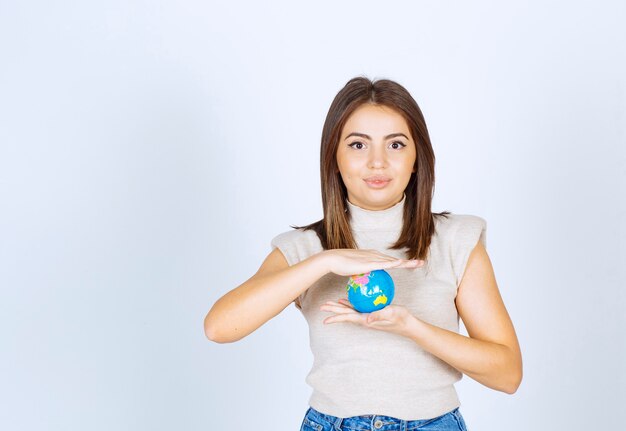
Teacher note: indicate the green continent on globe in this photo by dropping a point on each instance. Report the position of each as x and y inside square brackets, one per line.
[353, 285]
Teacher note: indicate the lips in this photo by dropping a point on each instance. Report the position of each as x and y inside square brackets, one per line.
[377, 179]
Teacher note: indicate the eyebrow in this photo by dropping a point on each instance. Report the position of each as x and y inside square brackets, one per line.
[363, 135]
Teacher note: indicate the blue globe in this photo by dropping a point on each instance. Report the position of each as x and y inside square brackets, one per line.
[370, 291]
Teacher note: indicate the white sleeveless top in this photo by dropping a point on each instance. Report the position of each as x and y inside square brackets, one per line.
[360, 371]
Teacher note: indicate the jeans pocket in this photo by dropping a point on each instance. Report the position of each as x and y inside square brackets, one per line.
[459, 419]
[311, 425]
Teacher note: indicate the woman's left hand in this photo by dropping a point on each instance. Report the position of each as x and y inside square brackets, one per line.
[392, 318]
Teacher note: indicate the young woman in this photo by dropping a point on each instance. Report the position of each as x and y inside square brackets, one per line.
[394, 368]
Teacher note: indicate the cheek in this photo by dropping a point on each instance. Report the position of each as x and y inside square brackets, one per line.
[348, 170]
[343, 172]
[408, 166]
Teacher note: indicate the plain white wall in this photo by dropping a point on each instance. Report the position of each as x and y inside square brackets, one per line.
[149, 151]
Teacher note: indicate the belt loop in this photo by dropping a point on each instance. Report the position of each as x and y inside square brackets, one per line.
[338, 424]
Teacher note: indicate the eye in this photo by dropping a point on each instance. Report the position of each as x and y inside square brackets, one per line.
[399, 143]
[356, 143]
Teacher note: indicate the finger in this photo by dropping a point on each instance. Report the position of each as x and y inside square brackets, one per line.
[404, 263]
[378, 256]
[391, 258]
[378, 321]
[375, 263]
[346, 303]
[339, 303]
[391, 264]
[338, 309]
[382, 314]
[351, 318]
[371, 318]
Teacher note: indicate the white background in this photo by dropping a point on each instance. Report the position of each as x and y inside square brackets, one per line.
[149, 151]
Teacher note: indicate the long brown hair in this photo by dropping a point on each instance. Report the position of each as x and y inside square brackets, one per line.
[419, 222]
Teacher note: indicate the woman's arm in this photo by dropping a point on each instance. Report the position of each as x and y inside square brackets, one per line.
[268, 292]
[491, 354]
[276, 285]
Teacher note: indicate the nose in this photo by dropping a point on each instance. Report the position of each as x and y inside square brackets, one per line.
[377, 157]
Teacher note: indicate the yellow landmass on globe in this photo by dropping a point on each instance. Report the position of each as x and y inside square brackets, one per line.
[380, 299]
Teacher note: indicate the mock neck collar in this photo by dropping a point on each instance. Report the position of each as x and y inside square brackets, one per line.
[390, 219]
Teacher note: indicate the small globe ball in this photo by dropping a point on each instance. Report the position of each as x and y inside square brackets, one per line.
[370, 291]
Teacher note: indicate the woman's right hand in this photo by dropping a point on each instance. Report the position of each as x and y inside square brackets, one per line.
[350, 261]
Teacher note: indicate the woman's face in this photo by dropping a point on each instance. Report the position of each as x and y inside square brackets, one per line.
[375, 156]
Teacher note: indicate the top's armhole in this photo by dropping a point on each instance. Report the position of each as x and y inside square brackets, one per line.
[287, 249]
[284, 247]
[469, 233]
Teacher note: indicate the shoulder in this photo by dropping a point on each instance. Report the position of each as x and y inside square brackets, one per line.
[457, 226]
[294, 236]
[459, 219]
[462, 233]
[297, 244]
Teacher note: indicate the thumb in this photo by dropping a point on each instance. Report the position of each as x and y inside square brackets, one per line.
[374, 316]
[382, 314]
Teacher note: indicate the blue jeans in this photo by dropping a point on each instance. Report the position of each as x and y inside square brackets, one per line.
[317, 421]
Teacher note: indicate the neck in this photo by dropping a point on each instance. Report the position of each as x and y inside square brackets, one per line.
[389, 220]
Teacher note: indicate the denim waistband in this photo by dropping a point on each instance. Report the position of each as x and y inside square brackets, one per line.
[371, 422]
